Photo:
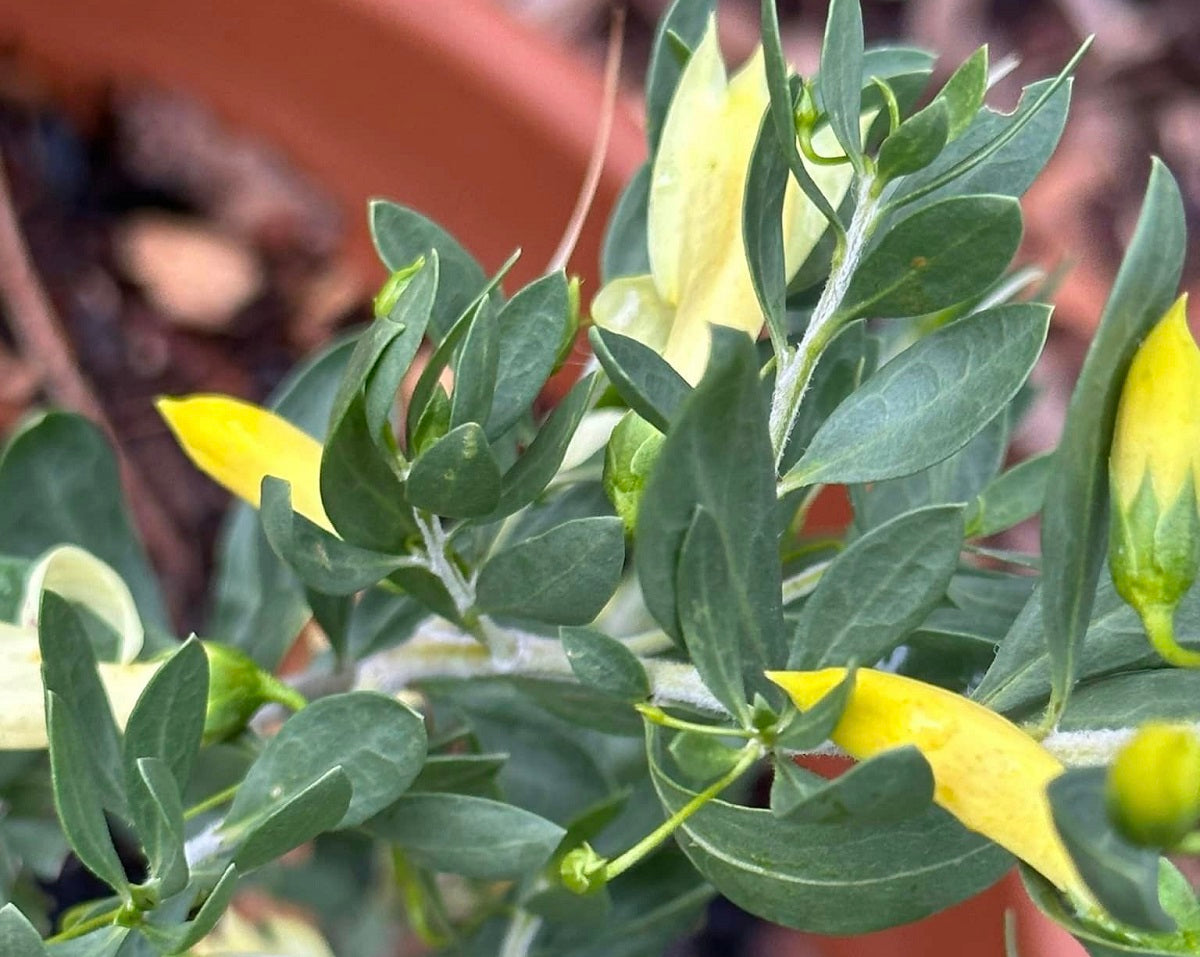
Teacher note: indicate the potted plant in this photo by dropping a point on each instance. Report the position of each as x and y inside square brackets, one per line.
[558, 650]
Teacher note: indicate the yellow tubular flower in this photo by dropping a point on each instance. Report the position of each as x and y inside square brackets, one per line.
[699, 274]
[1154, 472]
[988, 773]
[237, 443]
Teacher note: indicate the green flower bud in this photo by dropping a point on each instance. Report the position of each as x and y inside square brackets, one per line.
[582, 870]
[628, 462]
[1154, 468]
[393, 288]
[237, 687]
[1154, 786]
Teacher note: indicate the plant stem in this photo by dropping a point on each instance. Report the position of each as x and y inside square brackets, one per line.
[796, 367]
[210, 802]
[661, 718]
[1159, 622]
[85, 926]
[619, 865]
[522, 930]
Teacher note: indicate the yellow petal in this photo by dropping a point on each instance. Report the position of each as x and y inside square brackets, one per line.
[238, 443]
[274, 933]
[81, 577]
[631, 306]
[803, 223]
[1158, 421]
[988, 773]
[22, 704]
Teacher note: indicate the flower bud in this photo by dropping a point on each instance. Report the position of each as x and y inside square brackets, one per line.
[1154, 468]
[1154, 785]
[389, 294]
[628, 461]
[582, 870]
[237, 687]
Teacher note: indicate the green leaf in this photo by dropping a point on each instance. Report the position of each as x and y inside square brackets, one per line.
[100, 943]
[702, 757]
[1011, 168]
[850, 358]
[805, 730]
[360, 486]
[401, 235]
[564, 576]
[168, 720]
[259, 605]
[892, 786]
[1112, 939]
[13, 572]
[879, 589]
[626, 247]
[686, 19]
[60, 486]
[377, 742]
[1123, 877]
[384, 350]
[529, 475]
[361, 489]
[457, 476]
[333, 614]
[727, 640]
[158, 820]
[1011, 498]
[69, 671]
[782, 88]
[839, 82]
[959, 478]
[75, 797]
[1019, 678]
[646, 382]
[475, 370]
[1075, 516]
[915, 143]
[472, 836]
[718, 456]
[210, 912]
[1129, 700]
[294, 819]
[832, 878]
[964, 91]
[532, 327]
[929, 401]
[462, 773]
[17, 936]
[605, 664]
[762, 227]
[942, 254]
[322, 561]
[791, 785]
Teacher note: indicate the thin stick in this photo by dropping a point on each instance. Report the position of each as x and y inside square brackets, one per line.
[46, 347]
[591, 179]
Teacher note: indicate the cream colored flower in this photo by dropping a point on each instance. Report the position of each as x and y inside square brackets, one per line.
[81, 577]
[698, 270]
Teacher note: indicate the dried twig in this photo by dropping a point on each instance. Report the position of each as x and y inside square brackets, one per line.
[591, 179]
[45, 346]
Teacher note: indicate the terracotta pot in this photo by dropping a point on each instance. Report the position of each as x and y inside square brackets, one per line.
[479, 122]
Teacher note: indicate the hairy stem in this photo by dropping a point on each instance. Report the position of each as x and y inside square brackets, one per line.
[796, 367]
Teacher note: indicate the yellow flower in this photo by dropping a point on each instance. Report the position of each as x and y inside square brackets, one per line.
[699, 274]
[237, 443]
[1154, 473]
[1157, 433]
[1154, 785]
[988, 773]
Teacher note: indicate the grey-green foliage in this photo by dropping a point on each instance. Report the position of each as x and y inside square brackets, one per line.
[502, 595]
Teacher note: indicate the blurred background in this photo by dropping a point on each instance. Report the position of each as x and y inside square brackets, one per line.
[191, 180]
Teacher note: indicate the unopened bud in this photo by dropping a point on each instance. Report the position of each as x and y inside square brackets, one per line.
[238, 687]
[389, 295]
[632, 451]
[582, 870]
[1154, 786]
